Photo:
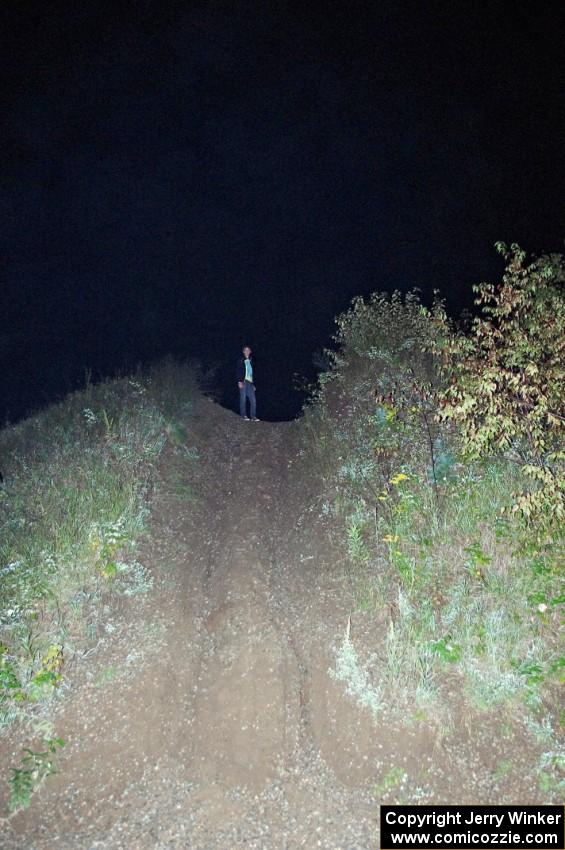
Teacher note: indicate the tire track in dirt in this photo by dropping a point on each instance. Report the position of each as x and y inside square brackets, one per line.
[242, 707]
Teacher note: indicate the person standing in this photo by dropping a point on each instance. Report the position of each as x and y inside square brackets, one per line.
[244, 376]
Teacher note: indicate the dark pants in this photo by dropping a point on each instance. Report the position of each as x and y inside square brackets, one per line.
[247, 392]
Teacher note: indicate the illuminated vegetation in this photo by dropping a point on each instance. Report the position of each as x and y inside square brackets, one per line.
[415, 431]
[73, 507]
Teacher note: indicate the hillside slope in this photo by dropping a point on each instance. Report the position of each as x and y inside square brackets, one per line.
[211, 720]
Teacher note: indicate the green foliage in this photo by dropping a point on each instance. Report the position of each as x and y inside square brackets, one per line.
[374, 412]
[355, 545]
[391, 780]
[506, 377]
[551, 773]
[36, 766]
[12, 691]
[446, 649]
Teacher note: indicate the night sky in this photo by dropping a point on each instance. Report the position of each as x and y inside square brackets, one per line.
[186, 177]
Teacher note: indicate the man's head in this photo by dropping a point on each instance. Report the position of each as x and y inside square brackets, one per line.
[246, 351]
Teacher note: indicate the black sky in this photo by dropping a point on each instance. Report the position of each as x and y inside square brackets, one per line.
[183, 177]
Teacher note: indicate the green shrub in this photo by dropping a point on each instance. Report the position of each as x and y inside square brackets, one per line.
[506, 376]
[374, 411]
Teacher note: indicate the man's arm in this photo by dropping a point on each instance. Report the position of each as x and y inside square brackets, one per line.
[239, 373]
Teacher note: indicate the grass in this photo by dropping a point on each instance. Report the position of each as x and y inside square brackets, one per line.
[356, 678]
[391, 781]
[74, 505]
[465, 601]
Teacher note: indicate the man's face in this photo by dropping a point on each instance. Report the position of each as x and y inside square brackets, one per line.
[247, 352]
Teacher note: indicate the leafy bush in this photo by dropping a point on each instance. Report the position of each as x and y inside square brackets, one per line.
[506, 378]
[374, 411]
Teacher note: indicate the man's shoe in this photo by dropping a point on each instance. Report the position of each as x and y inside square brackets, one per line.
[255, 419]
[245, 418]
